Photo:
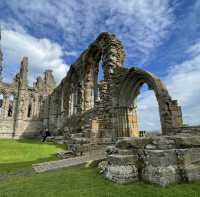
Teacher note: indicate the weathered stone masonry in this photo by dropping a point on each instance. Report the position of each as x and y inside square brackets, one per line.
[24, 109]
[97, 110]
[106, 110]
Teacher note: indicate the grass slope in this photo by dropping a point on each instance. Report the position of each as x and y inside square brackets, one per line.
[17, 154]
[69, 182]
[79, 181]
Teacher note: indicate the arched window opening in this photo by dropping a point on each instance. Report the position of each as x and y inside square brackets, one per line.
[10, 106]
[1, 103]
[100, 72]
[62, 102]
[71, 104]
[75, 102]
[99, 78]
[92, 98]
[29, 111]
[147, 110]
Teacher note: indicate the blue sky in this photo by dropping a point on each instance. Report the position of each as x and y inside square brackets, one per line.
[161, 36]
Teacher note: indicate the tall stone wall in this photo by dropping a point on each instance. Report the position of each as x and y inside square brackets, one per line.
[106, 109]
[99, 110]
[86, 104]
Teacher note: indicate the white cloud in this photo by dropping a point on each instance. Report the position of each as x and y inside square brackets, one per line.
[183, 84]
[148, 112]
[42, 53]
[141, 24]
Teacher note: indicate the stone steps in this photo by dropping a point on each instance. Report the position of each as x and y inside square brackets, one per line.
[54, 165]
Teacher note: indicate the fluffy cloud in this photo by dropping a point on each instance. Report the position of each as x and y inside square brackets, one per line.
[183, 83]
[42, 53]
[142, 25]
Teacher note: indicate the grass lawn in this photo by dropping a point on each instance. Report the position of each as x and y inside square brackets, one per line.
[18, 154]
[71, 182]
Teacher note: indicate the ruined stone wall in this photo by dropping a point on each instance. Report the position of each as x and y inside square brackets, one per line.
[23, 108]
[83, 104]
[99, 110]
[106, 109]
[161, 160]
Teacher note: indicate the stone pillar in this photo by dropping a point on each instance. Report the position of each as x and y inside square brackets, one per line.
[132, 122]
[171, 117]
[21, 103]
[35, 105]
[125, 122]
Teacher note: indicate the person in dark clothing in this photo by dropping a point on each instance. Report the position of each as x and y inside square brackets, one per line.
[46, 134]
[73, 148]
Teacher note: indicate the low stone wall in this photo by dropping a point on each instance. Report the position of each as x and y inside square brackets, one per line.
[161, 160]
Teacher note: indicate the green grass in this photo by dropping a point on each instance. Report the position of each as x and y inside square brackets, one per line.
[18, 154]
[70, 182]
[79, 181]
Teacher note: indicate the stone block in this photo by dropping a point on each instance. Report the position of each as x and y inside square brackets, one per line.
[124, 143]
[111, 150]
[162, 176]
[160, 158]
[187, 141]
[192, 172]
[121, 174]
[188, 156]
[116, 159]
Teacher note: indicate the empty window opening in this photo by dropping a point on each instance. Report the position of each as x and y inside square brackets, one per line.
[100, 72]
[29, 110]
[1, 103]
[10, 106]
[147, 110]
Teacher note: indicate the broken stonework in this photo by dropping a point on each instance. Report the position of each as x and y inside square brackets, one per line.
[102, 111]
[160, 160]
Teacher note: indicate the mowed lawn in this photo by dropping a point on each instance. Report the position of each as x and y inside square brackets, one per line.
[70, 182]
[18, 154]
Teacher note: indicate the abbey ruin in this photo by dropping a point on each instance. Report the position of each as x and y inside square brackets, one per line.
[104, 112]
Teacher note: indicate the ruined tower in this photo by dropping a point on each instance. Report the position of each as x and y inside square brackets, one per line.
[23, 73]
[49, 82]
[22, 104]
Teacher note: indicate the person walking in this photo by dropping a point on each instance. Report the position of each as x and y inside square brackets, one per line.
[46, 134]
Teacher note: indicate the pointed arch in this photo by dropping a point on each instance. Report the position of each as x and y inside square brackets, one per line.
[170, 112]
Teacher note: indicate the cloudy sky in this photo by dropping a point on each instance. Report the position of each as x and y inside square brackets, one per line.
[161, 36]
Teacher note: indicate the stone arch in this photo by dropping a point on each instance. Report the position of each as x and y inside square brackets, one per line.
[108, 50]
[170, 112]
